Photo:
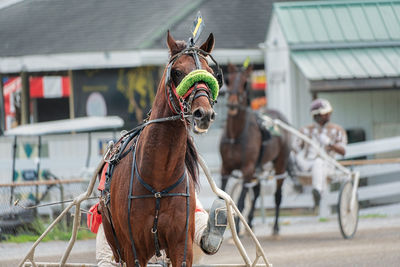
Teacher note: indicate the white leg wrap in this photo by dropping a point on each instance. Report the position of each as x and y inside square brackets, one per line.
[280, 176]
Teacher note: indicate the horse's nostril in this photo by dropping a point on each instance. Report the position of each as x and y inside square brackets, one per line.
[212, 116]
[198, 113]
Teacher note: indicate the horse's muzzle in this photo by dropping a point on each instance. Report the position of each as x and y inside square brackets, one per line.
[233, 109]
[202, 119]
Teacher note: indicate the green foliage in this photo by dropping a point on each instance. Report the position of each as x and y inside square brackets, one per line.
[33, 231]
[373, 216]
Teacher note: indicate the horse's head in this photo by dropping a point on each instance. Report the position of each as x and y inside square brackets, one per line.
[193, 82]
[236, 82]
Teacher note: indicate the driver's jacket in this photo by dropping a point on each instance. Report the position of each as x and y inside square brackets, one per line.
[329, 134]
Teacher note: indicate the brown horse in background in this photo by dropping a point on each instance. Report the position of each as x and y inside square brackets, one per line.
[161, 160]
[245, 146]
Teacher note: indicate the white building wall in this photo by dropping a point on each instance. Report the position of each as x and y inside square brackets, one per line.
[377, 112]
[301, 96]
[64, 155]
[279, 91]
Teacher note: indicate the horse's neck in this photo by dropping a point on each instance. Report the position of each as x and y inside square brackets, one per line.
[162, 146]
[236, 124]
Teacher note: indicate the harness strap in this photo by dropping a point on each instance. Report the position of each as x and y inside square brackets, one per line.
[129, 208]
[135, 131]
[187, 221]
[157, 196]
[110, 170]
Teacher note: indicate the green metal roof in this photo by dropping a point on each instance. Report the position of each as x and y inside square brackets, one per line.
[325, 64]
[340, 22]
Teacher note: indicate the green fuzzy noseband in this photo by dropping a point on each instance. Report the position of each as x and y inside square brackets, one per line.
[198, 76]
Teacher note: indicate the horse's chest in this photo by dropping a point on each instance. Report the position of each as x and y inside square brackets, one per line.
[234, 154]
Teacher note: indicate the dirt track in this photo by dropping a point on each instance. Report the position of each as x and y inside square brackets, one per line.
[305, 242]
[369, 248]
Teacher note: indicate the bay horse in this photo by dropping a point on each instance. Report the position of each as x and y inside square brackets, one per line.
[247, 146]
[148, 203]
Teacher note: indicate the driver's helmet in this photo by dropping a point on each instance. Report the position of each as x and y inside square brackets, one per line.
[320, 107]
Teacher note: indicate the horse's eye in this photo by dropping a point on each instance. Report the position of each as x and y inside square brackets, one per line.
[226, 81]
[177, 76]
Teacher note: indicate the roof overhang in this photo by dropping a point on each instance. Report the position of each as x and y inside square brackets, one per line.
[351, 68]
[355, 84]
[76, 61]
[113, 59]
[83, 124]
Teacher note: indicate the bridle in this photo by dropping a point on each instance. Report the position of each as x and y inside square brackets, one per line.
[184, 107]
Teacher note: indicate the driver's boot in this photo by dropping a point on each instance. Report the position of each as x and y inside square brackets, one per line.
[213, 235]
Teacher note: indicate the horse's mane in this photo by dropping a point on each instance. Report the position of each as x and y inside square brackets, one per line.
[191, 161]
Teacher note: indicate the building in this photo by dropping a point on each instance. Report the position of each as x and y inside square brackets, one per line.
[113, 52]
[345, 51]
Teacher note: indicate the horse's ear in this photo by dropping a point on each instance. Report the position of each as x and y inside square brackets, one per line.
[209, 44]
[173, 47]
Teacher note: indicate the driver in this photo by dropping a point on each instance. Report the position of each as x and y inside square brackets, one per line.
[331, 137]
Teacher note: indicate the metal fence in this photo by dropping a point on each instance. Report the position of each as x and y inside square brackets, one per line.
[59, 171]
[22, 203]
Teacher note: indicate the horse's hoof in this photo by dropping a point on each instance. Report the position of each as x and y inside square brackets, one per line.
[213, 235]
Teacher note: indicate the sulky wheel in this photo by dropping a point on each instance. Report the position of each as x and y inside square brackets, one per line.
[348, 216]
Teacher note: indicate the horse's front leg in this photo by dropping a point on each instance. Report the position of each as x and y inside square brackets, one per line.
[225, 174]
[280, 165]
[178, 242]
[278, 200]
[176, 253]
[256, 190]
[248, 180]
[240, 206]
